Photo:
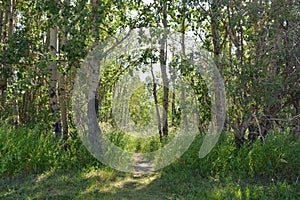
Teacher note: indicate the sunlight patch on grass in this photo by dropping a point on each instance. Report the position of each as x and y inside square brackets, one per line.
[110, 182]
[43, 176]
[101, 175]
[131, 182]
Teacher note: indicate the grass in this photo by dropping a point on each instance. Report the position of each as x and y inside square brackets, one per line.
[34, 166]
[110, 184]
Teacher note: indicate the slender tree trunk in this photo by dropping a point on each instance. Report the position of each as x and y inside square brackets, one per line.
[154, 91]
[63, 105]
[1, 23]
[5, 25]
[63, 99]
[54, 104]
[10, 21]
[63, 96]
[96, 32]
[220, 108]
[3, 82]
[122, 105]
[163, 67]
[241, 43]
[70, 81]
[183, 94]
[26, 100]
[173, 106]
[183, 110]
[216, 34]
[10, 15]
[95, 133]
[10, 33]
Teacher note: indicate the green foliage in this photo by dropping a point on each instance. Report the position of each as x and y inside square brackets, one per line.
[134, 144]
[139, 106]
[277, 157]
[25, 149]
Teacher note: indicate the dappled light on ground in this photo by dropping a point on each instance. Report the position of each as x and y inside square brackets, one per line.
[110, 184]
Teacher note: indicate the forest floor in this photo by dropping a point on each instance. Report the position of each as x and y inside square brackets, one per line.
[110, 184]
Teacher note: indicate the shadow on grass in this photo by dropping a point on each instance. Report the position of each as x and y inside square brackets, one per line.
[110, 184]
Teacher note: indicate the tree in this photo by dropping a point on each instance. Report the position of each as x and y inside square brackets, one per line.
[163, 67]
[154, 92]
[53, 84]
[254, 44]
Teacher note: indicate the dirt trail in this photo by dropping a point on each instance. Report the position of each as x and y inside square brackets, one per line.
[142, 166]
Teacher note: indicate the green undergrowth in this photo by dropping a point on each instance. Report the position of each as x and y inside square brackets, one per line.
[34, 161]
[135, 144]
[24, 149]
[276, 158]
[34, 149]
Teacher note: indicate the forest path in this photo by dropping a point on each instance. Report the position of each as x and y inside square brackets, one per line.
[142, 166]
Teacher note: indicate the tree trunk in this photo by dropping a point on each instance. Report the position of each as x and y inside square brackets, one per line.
[63, 99]
[1, 23]
[63, 96]
[96, 33]
[173, 106]
[10, 33]
[3, 82]
[10, 15]
[95, 133]
[240, 130]
[26, 105]
[10, 21]
[156, 104]
[183, 94]
[54, 105]
[220, 109]
[163, 67]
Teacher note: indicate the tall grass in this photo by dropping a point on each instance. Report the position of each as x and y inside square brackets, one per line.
[277, 157]
[25, 149]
